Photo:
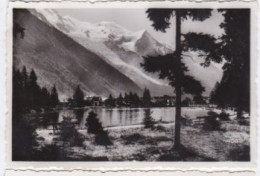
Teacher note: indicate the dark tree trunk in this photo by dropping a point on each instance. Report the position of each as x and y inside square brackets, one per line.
[178, 82]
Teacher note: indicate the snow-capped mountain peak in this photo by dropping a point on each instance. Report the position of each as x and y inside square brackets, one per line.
[103, 31]
[118, 46]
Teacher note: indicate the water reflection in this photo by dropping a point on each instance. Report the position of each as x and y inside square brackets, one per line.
[78, 114]
[120, 111]
[46, 119]
[118, 116]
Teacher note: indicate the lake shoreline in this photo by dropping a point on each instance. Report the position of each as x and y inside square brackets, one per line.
[117, 117]
[139, 143]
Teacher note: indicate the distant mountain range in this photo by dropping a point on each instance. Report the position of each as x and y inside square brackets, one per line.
[59, 60]
[103, 58]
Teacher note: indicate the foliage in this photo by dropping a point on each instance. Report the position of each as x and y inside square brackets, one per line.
[196, 42]
[78, 139]
[161, 17]
[224, 116]
[130, 99]
[198, 99]
[240, 153]
[234, 87]
[79, 113]
[69, 132]
[167, 67]
[27, 94]
[93, 124]
[148, 121]
[182, 154]
[67, 129]
[126, 98]
[213, 114]
[133, 138]
[54, 96]
[78, 97]
[95, 127]
[160, 128]
[192, 86]
[136, 100]
[243, 122]
[110, 102]
[211, 123]
[186, 102]
[120, 100]
[146, 98]
[102, 138]
[50, 152]
[170, 66]
[23, 140]
[213, 98]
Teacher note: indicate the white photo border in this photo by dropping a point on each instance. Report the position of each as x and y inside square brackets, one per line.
[125, 165]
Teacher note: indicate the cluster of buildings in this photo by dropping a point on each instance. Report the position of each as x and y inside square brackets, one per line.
[162, 101]
[157, 101]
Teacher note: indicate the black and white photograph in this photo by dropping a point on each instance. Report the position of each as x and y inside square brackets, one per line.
[131, 84]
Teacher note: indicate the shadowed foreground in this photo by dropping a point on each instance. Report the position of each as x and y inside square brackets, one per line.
[231, 143]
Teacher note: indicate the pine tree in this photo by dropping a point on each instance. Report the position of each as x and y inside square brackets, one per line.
[78, 97]
[24, 76]
[198, 99]
[235, 83]
[54, 97]
[130, 98]
[186, 102]
[120, 100]
[213, 93]
[79, 114]
[136, 100]
[146, 98]
[33, 90]
[110, 101]
[23, 134]
[170, 66]
[148, 121]
[25, 89]
[93, 125]
[33, 78]
[126, 98]
[45, 97]
[17, 88]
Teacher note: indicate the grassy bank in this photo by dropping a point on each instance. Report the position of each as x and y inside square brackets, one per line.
[230, 142]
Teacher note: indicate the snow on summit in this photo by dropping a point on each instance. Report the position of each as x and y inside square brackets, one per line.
[102, 31]
[123, 49]
[118, 46]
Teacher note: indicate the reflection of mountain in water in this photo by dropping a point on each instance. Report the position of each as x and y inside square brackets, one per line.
[120, 116]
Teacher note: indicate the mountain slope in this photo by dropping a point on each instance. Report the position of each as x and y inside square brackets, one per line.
[57, 59]
[123, 49]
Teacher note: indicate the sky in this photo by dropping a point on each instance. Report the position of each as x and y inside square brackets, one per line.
[136, 20]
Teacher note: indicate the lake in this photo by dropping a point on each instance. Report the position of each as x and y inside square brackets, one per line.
[119, 116]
